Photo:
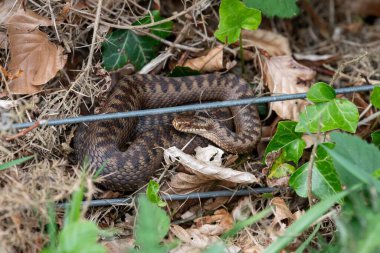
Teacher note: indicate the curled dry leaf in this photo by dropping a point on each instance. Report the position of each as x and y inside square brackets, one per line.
[274, 43]
[243, 210]
[286, 76]
[192, 237]
[281, 212]
[216, 224]
[208, 170]
[211, 62]
[32, 52]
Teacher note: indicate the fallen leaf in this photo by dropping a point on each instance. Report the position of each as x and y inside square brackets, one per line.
[212, 61]
[216, 224]
[8, 104]
[281, 210]
[243, 210]
[210, 155]
[208, 170]
[366, 7]
[273, 43]
[7, 8]
[32, 52]
[286, 76]
[193, 238]
[3, 40]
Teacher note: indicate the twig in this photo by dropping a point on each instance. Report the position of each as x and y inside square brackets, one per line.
[310, 174]
[93, 42]
[369, 118]
[344, 64]
[24, 131]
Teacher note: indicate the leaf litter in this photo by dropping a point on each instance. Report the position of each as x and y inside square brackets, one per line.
[51, 175]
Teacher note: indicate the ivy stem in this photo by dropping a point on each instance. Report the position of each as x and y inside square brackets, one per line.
[241, 53]
[309, 179]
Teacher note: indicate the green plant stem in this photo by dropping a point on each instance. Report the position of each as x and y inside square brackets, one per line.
[310, 175]
[241, 53]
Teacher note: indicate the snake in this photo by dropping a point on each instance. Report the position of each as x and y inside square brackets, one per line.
[129, 151]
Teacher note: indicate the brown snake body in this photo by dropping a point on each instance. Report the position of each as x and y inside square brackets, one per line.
[130, 148]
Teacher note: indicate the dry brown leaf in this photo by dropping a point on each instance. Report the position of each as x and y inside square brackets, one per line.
[286, 76]
[3, 40]
[243, 210]
[211, 62]
[274, 43]
[32, 52]
[192, 237]
[7, 8]
[216, 224]
[366, 7]
[281, 210]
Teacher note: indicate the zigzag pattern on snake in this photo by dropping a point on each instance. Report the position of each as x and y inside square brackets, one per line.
[130, 148]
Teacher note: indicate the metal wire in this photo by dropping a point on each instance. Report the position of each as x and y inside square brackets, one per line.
[182, 108]
[172, 197]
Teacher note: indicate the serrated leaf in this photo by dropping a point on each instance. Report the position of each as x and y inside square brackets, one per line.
[234, 16]
[80, 236]
[321, 92]
[375, 97]
[325, 181]
[336, 114]
[123, 46]
[152, 225]
[354, 160]
[286, 138]
[271, 8]
[376, 138]
[152, 192]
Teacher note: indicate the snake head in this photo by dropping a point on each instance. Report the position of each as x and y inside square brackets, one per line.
[192, 124]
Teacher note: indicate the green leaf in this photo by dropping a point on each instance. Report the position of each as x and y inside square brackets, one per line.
[281, 169]
[234, 16]
[242, 224]
[304, 222]
[325, 181]
[336, 114]
[179, 71]
[375, 97]
[152, 192]
[80, 236]
[286, 138]
[15, 162]
[321, 92]
[152, 225]
[123, 46]
[355, 160]
[271, 8]
[376, 138]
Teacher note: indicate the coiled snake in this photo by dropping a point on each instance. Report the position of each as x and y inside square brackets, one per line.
[129, 149]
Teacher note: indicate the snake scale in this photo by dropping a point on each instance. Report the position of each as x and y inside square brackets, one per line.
[129, 149]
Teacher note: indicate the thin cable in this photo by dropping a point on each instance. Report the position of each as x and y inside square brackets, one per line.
[181, 108]
[172, 197]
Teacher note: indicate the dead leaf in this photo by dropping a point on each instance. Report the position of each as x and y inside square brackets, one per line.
[281, 210]
[216, 224]
[366, 7]
[208, 170]
[7, 8]
[3, 40]
[192, 237]
[32, 52]
[243, 210]
[274, 43]
[286, 76]
[211, 62]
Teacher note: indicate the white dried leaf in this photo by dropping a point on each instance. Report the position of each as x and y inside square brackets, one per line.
[210, 155]
[209, 170]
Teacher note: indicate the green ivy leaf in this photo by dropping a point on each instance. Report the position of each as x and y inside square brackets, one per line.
[271, 8]
[375, 97]
[152, 225]
[281, 169]
[325, 181]
[234, 16]
[355, 160]
[179, 71]
[335, 114]
[123, 46]
[321, 92]
[152, 193]
[287, 139]
[376, 138]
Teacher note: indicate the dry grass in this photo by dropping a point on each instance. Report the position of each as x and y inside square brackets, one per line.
[26, 191]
